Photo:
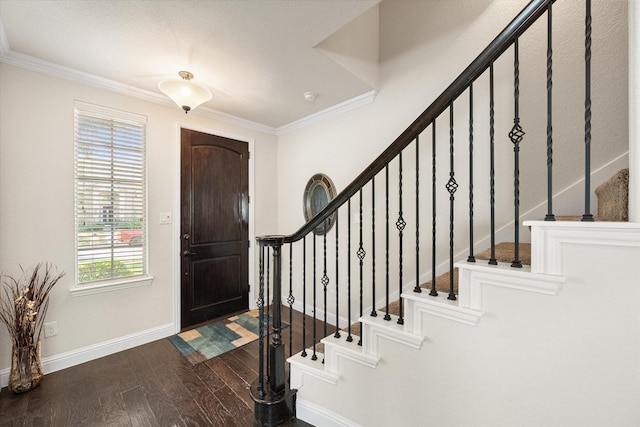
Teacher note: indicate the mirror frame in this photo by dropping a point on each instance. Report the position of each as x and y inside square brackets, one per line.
[309, 200]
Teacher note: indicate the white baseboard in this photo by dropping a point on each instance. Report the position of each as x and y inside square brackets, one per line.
[318, 416]
[85, 354]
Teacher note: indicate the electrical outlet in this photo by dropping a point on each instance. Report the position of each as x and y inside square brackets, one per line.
[50, 329]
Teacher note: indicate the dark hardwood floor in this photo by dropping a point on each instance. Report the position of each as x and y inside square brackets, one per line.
[150, 385]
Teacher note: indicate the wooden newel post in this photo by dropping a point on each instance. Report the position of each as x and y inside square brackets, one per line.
[275, 403]
[276, 351]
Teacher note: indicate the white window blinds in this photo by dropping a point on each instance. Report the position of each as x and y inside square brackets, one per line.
[110, 194]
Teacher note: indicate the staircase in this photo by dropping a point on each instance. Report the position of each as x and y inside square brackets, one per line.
[533, 338]
[541, 345]
[486, 291]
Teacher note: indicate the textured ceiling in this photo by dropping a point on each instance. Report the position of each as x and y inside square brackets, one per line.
[257, 57]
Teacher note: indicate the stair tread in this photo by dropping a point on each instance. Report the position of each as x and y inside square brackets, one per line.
[504, 252]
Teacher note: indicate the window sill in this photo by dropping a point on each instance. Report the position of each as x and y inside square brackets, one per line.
[111, 285]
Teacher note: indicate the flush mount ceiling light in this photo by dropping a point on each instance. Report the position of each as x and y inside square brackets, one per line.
[185, 93]
[310, 96]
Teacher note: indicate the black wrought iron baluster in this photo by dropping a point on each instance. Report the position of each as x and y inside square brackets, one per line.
[325, 278]
[471, 257]
[337, 334]
[400, 225]
[290, 299]
[267, 318]
[304, 297]
[451, 186]
[433, 291]
[374, 313]
[587, 216]
[314, 356]
[349, 337]
[516, 134]
[550, 216]
[417, 287]
[387, 316]
[361, 254]
[492, 169]
[260, 305]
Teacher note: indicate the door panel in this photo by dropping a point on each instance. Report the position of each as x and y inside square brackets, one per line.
[214, 226]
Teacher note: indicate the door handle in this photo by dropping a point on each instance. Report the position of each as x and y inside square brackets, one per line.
[187, 253]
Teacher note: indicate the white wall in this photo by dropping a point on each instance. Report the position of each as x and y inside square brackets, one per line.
[36, 204]
[424, 46]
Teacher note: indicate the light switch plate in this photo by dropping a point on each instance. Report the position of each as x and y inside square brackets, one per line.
[165, 218]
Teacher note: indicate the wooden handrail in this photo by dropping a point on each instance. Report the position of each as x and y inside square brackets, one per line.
[502, 42]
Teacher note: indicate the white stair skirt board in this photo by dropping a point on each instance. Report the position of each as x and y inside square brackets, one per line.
[335, 347]
[85, 354]
[543, 278]
[548, 237]
[318, 416]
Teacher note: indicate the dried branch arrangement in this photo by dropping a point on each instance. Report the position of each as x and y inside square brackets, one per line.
[24, 302]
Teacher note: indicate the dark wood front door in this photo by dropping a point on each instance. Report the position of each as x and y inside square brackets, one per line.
[214, 226]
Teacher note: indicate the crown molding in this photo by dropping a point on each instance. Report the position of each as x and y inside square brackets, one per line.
[350, 104]
[28, 62]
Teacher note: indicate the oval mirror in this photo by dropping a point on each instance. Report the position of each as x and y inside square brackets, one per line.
[317, 195]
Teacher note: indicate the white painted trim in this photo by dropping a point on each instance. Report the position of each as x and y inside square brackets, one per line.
[318, 416]
[253, 295]
[313, 368]
[374, 328]
[335, 347]
[111, 285]
[472, 278]
[49, 68]
[350, 104]
[439, 306]
[95, 351]
[548, 237]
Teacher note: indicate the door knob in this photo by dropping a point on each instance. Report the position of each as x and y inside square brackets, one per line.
[187, 253]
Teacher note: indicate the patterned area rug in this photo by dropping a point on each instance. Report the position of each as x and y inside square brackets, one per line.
[214, 339]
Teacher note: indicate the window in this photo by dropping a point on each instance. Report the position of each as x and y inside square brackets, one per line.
[110, 194]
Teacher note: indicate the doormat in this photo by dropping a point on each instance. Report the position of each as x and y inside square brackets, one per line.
[214, 339]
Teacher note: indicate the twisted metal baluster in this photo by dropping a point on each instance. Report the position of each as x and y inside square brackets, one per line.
[337, 334]
[417, 287]
[471, 257]
[268, 316]
[361, 254]
[260, 305]
[304, 297]
[374, 313]
[492, 169]
[516, 136]
[314, 356]
[349, 337]
[387, 316]
[433, 292]
[451, 186]
[325, 279]
[400, 225]
[550, 216]
[587, 216]
[290, 299]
